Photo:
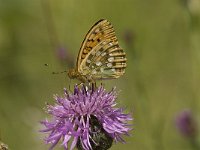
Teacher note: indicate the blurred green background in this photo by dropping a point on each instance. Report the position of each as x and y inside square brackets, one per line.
[162, 42]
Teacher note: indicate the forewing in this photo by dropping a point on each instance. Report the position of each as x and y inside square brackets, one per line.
[100, 55]
[100, 31]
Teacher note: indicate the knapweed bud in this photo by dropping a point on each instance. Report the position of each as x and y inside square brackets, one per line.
[186, 124]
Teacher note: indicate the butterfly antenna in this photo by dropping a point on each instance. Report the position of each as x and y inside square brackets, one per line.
[93, 87]
[47, 65]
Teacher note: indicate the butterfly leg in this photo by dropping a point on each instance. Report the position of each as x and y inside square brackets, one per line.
[92, 81]
[70, 85]
[93, 84]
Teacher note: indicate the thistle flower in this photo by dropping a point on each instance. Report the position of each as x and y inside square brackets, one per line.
[186, 124]
[87, 118]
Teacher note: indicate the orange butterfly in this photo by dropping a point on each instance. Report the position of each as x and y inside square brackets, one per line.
[100, 56]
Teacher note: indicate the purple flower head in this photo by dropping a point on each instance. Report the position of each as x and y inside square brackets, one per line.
[186, 124]
[87, 118]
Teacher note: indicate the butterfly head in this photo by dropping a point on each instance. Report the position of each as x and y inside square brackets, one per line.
[72, 73]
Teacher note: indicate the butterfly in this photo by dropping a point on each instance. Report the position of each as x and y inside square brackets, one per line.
[100, 56]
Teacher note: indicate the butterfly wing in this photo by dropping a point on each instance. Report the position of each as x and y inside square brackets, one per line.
[100, 55]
